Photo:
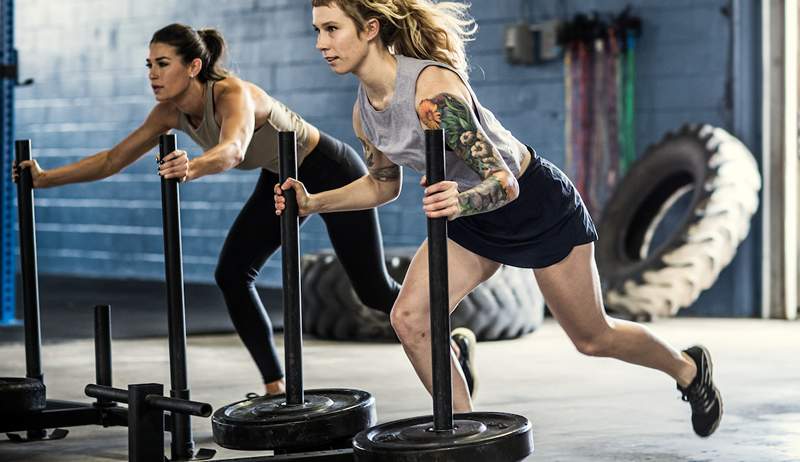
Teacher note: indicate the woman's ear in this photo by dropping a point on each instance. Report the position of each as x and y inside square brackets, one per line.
[372, 28]
[195, 67]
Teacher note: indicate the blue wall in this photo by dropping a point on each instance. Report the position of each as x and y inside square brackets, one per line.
[87, 57]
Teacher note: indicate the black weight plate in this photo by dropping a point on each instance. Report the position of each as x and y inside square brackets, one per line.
[20, 395]
[326, 417]
[477, 436]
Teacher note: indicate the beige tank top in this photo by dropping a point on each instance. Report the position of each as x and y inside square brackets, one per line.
[262, 152]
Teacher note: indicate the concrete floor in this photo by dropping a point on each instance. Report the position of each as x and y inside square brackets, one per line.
[582, 409]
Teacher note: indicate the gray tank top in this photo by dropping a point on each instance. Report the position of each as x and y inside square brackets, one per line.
[397, 133]
[262, 152]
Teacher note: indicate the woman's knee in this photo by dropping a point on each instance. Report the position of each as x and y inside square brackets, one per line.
[598, 344]
[229, 279]
[409, 323]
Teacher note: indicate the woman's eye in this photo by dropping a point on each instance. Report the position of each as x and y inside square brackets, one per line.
[331, 29]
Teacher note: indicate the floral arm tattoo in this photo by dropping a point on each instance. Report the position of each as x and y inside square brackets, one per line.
[385, 174]
[463, 135]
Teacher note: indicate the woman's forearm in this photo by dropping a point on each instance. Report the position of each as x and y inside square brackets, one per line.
[216, 160]
[492, 193]
[363, 193]
[94, 167]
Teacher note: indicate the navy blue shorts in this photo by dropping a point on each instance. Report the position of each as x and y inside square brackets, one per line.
[538, 229]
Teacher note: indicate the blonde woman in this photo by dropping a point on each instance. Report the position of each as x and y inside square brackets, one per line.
[505, 203]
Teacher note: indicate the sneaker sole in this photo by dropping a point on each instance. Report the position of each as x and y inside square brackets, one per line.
[707, 354]
[471, 361]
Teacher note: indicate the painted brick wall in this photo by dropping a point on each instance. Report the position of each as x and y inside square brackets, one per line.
[91, 89]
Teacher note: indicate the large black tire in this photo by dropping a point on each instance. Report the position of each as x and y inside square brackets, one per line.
[721, 176]
[20, 395]
[506, 306]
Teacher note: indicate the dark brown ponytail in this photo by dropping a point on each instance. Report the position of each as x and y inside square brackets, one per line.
[206, 44]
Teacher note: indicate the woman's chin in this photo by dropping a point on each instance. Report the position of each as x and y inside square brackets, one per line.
[338, 68]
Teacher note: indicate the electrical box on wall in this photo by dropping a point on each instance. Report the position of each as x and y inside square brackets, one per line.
[530, 44]
[545, 39]
[519, 44]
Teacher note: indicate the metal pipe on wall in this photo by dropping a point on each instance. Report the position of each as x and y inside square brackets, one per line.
[8, 80]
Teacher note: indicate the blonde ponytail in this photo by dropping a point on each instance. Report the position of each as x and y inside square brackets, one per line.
[419, 29]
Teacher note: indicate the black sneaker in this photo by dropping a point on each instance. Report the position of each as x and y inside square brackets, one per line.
[702, 395]
[465, 339]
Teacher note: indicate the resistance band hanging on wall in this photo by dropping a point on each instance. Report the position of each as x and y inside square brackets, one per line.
[568, 66]
[583, 102]
[613, 102]
[599, 73]
[628, 139]
[599, 160]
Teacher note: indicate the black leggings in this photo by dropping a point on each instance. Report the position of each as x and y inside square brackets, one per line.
[255, 236]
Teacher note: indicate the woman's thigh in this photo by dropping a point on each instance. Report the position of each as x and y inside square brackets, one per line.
[466, 270]
[572, 291]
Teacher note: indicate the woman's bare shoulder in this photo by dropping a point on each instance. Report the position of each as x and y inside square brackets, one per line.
[434, 80]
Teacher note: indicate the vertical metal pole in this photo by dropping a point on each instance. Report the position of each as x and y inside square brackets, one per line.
[746, 74]
[27, 252]
[145, 424]
[439, 293]
[8, 60]
[290, 250]
[182, 446]
[102, 349]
